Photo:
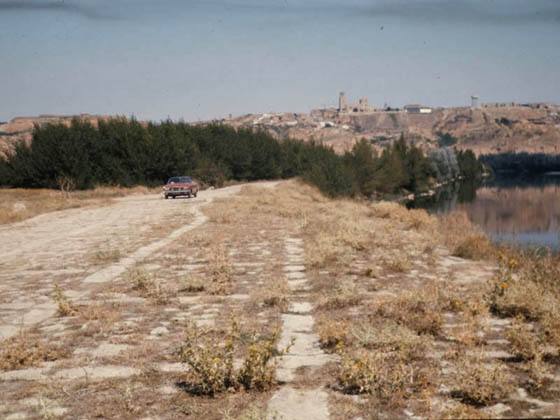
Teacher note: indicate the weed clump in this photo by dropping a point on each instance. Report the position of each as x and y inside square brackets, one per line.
[274, 293]
[333, 334]
[379, 374]
[139, 278]
[481, 383]
[24, 351]
[526, 286]
[392, 338]
[65, 306]
[106, 256]
[211, 362]
[420, 311]
[148, 285]
[524, 342]
[345, 294]
[474, 247]
[398, 263]
[191, 284]
[219, 272]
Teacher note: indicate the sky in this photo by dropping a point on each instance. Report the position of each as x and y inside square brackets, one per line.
[204, 59]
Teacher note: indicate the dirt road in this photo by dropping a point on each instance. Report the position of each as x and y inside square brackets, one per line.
[72, 248]
[141, 278]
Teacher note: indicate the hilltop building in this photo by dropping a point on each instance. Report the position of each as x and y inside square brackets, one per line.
[361, 107]
[417, 109]
[474, 101]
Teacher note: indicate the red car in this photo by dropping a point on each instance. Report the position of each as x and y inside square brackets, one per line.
[180, 185]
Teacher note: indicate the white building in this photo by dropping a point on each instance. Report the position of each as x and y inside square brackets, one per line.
[417, 109]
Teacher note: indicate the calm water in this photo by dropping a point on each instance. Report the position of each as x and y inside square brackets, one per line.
[511, 209]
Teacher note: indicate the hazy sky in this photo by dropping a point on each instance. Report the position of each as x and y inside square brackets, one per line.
[203, 59]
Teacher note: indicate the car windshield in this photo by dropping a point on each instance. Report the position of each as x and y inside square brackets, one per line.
[179, 180]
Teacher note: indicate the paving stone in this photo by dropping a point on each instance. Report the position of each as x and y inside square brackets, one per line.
[104, 350]
[159, 331]
[189, 300]
[97, 372]
[168, 390]
[498, 409]
[30, 374]
[301, 307]
[171, 367]
[294, 268]
[235, 297]
[123, 298]
[18, 416]
[299, 404]
[295, 275]
[7, 331]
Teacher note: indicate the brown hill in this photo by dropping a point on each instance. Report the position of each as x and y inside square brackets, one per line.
[21, 128]
[487, 129]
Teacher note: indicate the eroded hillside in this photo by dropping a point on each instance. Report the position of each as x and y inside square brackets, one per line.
[488, 129]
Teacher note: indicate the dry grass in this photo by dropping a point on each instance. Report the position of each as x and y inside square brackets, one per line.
[211, 361]
[26, 350]
[20, 204]
[526, 285]
[139, 279]
[219, 271]
[333, 334]
[526, 288]
[253, 412]
[474, 326]
[420, 310]
[462, 411]
[411, 219]
[540, 380]
[524, 341]
[191, 283]
[343, 295]
[392, 338]
[148, 285]
[106, 256]
[224, 211]
[274, 293]
[381, 375]
[474, 247]
[65, 306]
[465, 241]
[397, 263]
[480, 382]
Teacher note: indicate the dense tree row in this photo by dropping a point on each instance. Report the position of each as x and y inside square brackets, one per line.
[126, 152]
[528, 163]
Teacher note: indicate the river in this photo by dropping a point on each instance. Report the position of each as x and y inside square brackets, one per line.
[512, 209]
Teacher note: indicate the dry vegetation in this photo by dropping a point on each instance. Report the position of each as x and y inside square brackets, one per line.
[415, 328]
[20, 204]
[211, 362]
[28, 349]
[376, 311]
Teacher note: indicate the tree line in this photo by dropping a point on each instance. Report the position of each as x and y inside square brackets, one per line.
[126, 152]
[522, 163]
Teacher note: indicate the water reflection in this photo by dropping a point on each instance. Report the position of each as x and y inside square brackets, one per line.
[518, 210]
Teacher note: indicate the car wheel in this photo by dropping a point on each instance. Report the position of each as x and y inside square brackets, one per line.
[173, 197]
[194, 193]
[166, 196]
